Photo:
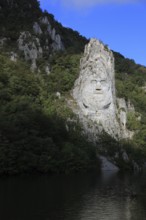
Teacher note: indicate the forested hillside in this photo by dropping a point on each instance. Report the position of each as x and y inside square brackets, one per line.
[38, 131]
[131, 84]
[20, 15]
[34, 132]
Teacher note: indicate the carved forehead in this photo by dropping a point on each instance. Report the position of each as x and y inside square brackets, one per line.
[88, 79]
[97, 72]
[99, 75]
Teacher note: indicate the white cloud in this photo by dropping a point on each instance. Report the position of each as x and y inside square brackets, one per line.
[89, 3]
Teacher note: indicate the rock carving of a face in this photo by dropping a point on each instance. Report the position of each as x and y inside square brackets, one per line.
[96, 89]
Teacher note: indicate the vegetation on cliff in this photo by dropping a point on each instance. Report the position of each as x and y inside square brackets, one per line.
[38, 132]
[34, 132]
[130, 84]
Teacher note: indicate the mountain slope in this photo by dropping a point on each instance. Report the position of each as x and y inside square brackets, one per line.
[35, 135]
[38, 131]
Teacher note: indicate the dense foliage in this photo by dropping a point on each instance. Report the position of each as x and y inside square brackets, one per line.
[130, 84]
[64, 72]
[16, 16]
[38, 132]
[34, 132]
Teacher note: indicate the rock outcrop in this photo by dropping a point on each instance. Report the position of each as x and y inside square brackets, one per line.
[94, 92]
[32, 46]
[106, 165]
[2, 41]
[40, 42]
[55, 37]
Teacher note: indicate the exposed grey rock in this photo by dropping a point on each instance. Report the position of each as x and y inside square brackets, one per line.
[31, 48]
[122, 112]
[33, 65]
[136, 167]
[107, 165]
[94, 90]
[58, 94]
[57, 43]
[116, 155]
[121, 103]
[13, 56]
[47, 69]
[3, 41]
[49, 29]
[67, 127]
[37, 28]
[130, 106]
[123, 108]
[94, 93]
[44, 20]
[53, 34]
[125, 156]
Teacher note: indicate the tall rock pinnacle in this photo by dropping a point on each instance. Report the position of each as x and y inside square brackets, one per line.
[94, 90]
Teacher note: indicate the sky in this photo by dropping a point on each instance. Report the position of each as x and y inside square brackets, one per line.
[121, 24]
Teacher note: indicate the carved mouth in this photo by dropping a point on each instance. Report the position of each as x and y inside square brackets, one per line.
[98, 91]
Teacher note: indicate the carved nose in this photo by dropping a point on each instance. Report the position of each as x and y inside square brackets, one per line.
[98, 86]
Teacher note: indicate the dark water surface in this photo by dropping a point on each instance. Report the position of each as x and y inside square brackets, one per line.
[91, 196]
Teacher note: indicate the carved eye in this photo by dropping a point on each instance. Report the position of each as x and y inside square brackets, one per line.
[103, 81]
[93, 82]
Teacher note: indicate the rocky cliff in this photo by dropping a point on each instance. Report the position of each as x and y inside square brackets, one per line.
[94, 91]
[36, 124]
[33, 48]
[29, 34]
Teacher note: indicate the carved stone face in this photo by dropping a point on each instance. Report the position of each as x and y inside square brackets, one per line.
[96, 89]
[94, 92]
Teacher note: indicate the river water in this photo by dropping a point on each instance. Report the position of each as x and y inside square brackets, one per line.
[92, 196]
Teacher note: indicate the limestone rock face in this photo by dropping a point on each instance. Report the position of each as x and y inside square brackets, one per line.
[55, 37]
[31, 48]
[37, 28]
[40, 42]
[123, 108]
[94, 92]
[2, 41]
[106, 165]
[13, 56]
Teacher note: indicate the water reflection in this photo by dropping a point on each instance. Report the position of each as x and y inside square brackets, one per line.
[107, 196]
[107, 201]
